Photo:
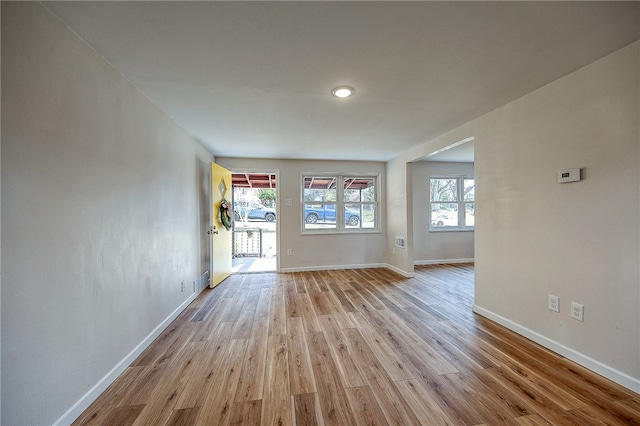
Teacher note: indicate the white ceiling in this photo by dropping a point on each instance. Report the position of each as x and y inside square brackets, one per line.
[253, 79]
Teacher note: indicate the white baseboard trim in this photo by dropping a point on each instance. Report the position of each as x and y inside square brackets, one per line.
[596, 366]
[400, 271]
[87, 399]
[443, 261]
[357, 266]
[334, 267]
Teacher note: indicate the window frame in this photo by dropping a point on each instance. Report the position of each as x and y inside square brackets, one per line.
[460, 202]
[340, 223]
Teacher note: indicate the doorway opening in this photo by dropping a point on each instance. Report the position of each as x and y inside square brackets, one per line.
[254, 246]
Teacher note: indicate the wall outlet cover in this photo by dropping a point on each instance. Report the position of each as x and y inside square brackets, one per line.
[554, 303]
[577, 311]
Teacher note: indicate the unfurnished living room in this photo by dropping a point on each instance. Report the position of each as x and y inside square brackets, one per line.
[453, 201]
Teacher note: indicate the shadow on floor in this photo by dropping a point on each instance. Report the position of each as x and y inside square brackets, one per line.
[242, 265]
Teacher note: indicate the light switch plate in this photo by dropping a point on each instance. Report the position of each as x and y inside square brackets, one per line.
[568, 175]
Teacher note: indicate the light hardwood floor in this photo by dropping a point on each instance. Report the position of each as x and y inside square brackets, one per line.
[353, 347]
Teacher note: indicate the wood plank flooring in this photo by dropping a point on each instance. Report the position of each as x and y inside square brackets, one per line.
[352, 347]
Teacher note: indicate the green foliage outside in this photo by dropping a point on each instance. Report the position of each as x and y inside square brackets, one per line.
[267, 197]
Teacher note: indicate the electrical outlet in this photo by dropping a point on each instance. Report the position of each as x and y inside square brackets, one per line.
[288, 252]
[577, 311]
[182, 286]
[554, 303]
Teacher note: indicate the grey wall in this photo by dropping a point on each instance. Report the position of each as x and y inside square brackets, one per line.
[579, 241]
[438, 246]
[317, 251]
[399, 191]
[104, 202]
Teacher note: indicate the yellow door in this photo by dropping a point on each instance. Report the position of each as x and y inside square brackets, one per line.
[220, 236]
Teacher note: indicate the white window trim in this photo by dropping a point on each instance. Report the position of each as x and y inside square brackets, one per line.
[340, 227]
[461, 205]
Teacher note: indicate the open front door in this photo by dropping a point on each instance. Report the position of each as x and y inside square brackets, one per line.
[220, 237]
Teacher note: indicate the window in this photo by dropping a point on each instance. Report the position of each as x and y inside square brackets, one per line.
[452, 203]
[340, 203]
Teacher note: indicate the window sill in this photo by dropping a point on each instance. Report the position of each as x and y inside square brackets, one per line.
[450, 229]
[344, 232]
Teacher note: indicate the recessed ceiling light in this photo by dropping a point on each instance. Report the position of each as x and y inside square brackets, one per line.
[343, 91]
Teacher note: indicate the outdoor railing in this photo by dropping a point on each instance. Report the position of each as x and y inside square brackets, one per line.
[250, 242]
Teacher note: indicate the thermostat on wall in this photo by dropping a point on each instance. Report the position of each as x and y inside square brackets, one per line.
[568, 175]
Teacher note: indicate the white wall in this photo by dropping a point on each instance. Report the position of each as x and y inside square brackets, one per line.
[400, 215]
[0, 232]
[316, 251]
[102, 216]
[438, 246]
[103, 204]
[579, 241]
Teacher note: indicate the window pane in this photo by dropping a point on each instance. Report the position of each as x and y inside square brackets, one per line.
[319, 188]
[352, 215]
[444, 190]
[469, 214]
[368, 216]
[360, 215]
[359, 189]
[444, 214]
[355, 210]
[469, 189]
[319, 216]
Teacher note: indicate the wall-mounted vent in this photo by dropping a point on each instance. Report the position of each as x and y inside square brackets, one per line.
[400, 242]
[203, 281]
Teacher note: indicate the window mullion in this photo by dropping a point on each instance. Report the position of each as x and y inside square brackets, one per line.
[461, 202]
[340, 203]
